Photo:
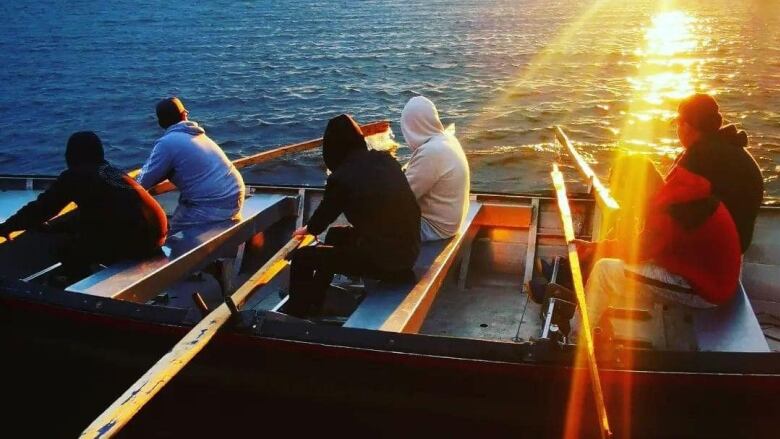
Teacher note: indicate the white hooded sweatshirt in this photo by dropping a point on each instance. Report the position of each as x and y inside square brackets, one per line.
[438, 171]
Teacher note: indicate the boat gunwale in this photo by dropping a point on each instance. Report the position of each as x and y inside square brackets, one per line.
[253, 327]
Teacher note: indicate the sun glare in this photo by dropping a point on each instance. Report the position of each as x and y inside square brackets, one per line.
[670, 34]
[667, 71]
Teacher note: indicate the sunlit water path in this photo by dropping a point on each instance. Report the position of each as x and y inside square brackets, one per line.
[259, 74]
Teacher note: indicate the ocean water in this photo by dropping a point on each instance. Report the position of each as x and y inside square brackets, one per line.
[257, 74]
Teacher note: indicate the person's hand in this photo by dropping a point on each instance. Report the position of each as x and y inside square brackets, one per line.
[301, 232]
[585, 249]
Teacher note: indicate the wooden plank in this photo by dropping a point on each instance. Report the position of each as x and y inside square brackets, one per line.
[369, 129]
[576, 274]
[530, 253]
[504, 215]
[409, 315]
[126, 406]
[138, 281]
[465, 260]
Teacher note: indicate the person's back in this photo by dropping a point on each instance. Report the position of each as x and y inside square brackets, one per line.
[211, 188]
[718, 153]
[109, 200]
[370, 189]
[383, 239]
[735, 176]
[438, 171]
[199, 167]
[381, 208]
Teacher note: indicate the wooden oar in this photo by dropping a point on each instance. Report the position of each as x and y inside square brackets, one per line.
[579, 289]
[369, 129]
[126, 406]
[602, 192]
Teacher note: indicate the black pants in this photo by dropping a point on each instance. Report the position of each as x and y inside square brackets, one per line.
[313, 268]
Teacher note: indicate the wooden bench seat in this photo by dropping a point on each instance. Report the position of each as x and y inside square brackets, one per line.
[186, 252]
[401, 307]
[732, 327]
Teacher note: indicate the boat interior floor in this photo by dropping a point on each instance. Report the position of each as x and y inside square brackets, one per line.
[490, 307]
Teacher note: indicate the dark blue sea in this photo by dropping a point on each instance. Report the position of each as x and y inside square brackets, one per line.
[257, 74]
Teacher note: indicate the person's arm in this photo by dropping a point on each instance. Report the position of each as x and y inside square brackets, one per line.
[47, 205]
[331, 206]
[422, 173]
[157, 166]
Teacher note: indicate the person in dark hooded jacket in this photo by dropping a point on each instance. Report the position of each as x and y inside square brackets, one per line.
[116, 218]
[370, 189]
[718, 153]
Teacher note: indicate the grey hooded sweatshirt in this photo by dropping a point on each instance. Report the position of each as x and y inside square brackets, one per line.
[211, 187]
[438, 171]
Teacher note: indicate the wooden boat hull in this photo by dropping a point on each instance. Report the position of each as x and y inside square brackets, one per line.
[281, 376]
[68, 356]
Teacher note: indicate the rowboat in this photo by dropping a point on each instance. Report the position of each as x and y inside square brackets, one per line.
[461, 351]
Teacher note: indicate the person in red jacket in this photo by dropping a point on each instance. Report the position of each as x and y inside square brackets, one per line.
[688, 252]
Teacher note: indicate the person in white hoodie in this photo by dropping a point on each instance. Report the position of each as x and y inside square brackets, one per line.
[212, 189]
[438, 171]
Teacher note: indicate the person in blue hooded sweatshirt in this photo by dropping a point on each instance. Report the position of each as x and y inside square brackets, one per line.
[211, 188]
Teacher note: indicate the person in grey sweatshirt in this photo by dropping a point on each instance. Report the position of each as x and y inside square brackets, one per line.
[438, 171]
[211, 188]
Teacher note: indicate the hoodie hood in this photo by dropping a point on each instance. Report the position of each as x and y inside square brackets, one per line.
[187, 127]
[84, 148]
[342, 137]
[420, 122]
[729, 135]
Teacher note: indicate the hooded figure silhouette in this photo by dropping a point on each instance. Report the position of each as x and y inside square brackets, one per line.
[438, 171]
[116, 217]
[370, 189]
[84, 148]
[342, 137]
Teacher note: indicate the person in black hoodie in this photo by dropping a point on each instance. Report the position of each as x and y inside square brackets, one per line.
[383, 241]
[116, 218]
[718, 153]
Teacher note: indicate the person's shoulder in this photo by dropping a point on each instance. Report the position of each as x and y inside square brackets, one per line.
[436, 147]
[68, 175]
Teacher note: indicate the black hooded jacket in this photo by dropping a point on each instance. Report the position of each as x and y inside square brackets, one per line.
[734, 174]
[370, 189]
[111, 206]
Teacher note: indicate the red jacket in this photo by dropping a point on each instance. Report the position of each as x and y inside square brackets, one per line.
[692, 234]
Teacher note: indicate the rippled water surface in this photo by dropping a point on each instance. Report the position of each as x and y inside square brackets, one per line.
[262, 73]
